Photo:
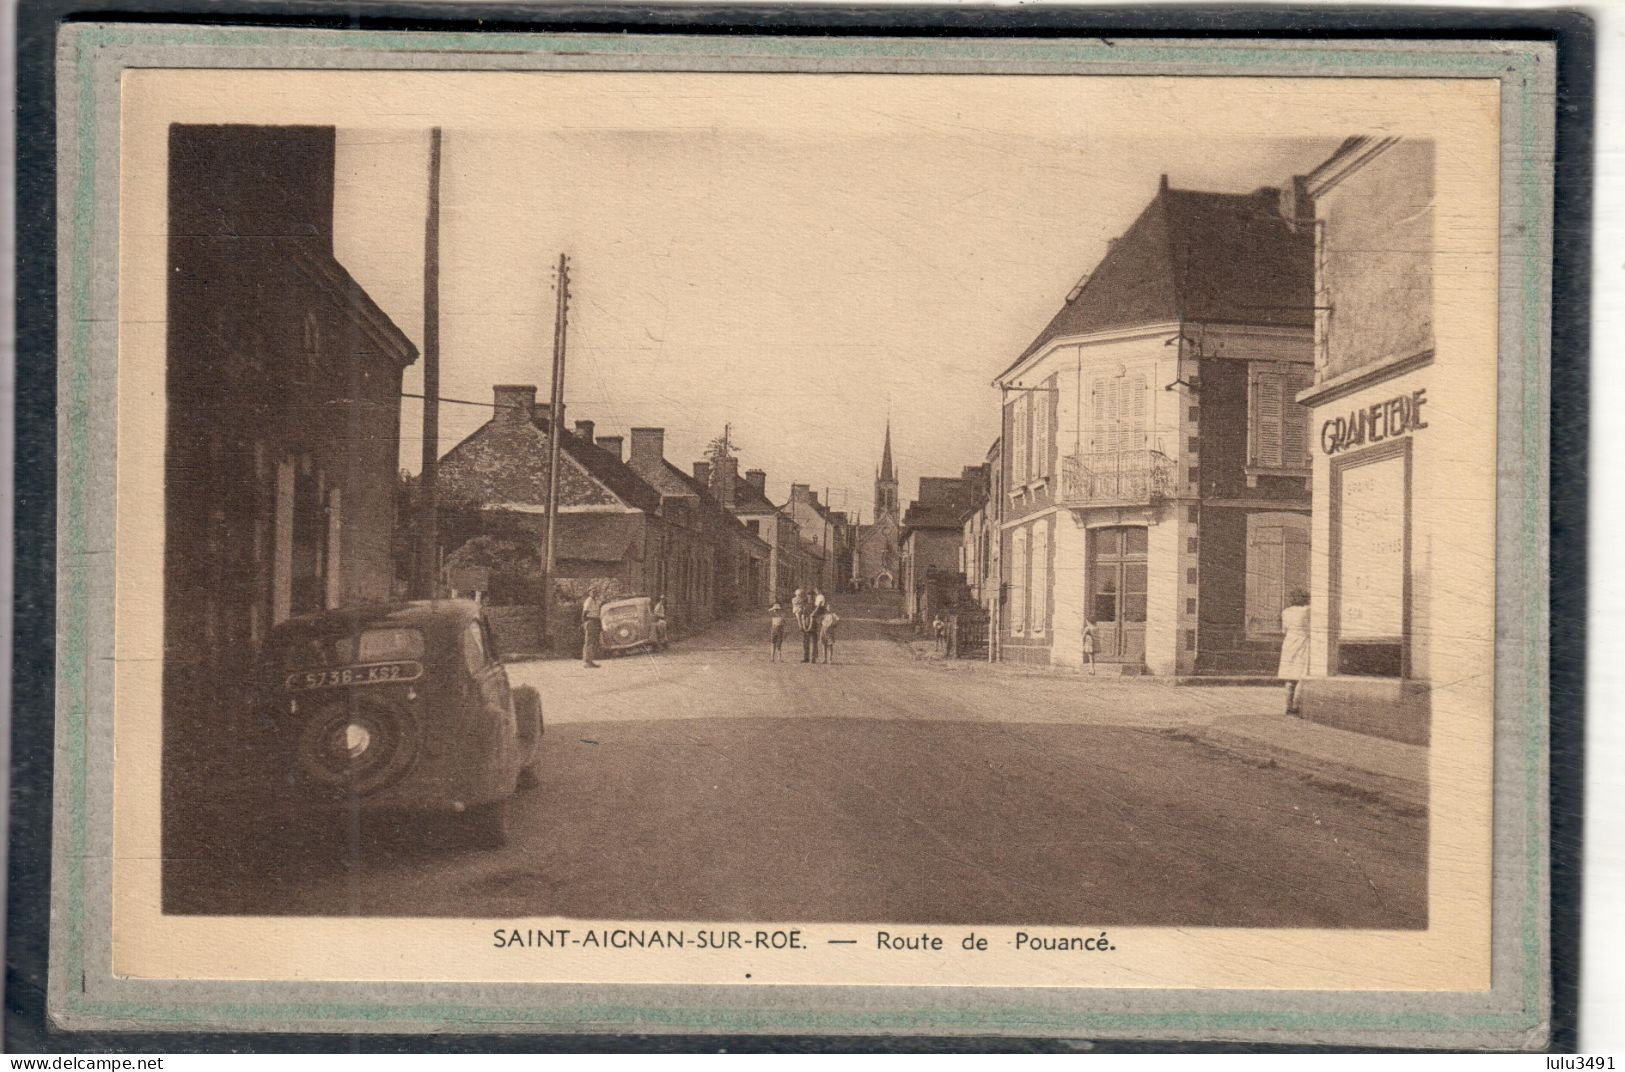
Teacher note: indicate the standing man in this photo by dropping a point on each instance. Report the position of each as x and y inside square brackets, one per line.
[815, 620]
[591, 625]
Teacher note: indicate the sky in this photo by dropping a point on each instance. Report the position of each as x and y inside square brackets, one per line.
[798, 257]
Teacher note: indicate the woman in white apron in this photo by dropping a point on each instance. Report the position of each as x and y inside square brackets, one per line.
[1294, 647]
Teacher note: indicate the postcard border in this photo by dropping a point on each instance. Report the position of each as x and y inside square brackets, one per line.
[93, 54]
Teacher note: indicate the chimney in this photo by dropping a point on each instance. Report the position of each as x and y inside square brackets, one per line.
[514, 401]
[799, 492]
[1163, 187]
[702, 474]
[584, 429]
[611, 444]
[757, 477]
[648, 449]
[727, 479]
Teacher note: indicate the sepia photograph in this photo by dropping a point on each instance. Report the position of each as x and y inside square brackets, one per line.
[1030, 631]
[754, 535]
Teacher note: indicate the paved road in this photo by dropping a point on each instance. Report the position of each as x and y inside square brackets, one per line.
[707, 783]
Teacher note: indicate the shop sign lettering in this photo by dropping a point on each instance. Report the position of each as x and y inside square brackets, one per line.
[1375, 423]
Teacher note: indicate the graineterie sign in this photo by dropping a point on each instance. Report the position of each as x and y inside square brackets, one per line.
[1375, 423]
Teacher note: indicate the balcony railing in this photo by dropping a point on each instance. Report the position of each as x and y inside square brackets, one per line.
[1116, 478]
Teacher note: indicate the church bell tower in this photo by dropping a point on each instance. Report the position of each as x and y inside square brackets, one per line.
[886, 482]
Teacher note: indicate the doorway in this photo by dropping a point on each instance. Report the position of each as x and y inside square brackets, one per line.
[1117, 583]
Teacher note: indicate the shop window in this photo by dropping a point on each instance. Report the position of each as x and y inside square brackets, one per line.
[1277, 566]
[1370, 531]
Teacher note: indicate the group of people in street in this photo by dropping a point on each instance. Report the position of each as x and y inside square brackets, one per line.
[814, 617]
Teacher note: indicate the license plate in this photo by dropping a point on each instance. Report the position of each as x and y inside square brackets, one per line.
[348, 676]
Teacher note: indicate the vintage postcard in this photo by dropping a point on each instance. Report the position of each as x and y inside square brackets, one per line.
[804, 536]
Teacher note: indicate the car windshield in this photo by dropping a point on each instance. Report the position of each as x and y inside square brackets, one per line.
[301, 651]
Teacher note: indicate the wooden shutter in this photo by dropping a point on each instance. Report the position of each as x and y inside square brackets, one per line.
[1097, 416]
[1268, 415]
[1018, 434]
[1041, 429]
[1040, 574]
[1018, 583]
[1138, 437]
[1265, 572]
[1295, 421]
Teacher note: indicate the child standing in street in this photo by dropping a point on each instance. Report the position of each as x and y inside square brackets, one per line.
[776, 633]
[1089, 643]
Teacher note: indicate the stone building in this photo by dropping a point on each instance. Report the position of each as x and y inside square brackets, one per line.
[786, 570]
[979, 543]
[610, 529]
[1155, 465]
[283, 382]
[877, 546]
[933, 531]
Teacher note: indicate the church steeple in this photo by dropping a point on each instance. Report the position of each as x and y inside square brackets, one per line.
[886, 481]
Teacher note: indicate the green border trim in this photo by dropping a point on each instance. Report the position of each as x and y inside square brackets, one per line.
[75, 445]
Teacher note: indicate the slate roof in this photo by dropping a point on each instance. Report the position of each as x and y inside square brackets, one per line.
[748, 499]
[1199, 256]
[604, 467]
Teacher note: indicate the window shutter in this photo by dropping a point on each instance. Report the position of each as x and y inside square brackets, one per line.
[1040, 572]
[1018, 430]
[1018, 583]
[1097, 417]
[1265, 568]
[1295, 422]
[1267, 415]
[1139, 434]
[1040, 409]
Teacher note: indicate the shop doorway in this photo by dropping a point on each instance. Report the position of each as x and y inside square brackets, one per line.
[1117, 573]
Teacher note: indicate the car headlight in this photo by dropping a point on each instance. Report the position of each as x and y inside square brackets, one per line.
[357, 739]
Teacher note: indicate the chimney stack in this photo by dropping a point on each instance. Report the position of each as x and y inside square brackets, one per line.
[757, 477]
[799, 492]
[611, 444]
[702, 474]
[648, 449]
[727, 480]
[584, 429]
[513, 401]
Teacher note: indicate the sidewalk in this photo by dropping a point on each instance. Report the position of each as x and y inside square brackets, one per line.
[1372, 767]
[1387, 771]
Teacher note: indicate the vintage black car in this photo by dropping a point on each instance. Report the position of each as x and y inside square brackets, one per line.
[630, 625]
[397, 708]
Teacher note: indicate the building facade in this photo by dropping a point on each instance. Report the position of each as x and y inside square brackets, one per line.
[877, 546]
[1390, 478]
[610, 532]
[1154, 466]
[785, 570]
[282, 430]
[979, 546]
[933, 531]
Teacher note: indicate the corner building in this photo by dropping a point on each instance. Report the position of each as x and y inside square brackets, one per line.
[1401, 532]
[1154, 464]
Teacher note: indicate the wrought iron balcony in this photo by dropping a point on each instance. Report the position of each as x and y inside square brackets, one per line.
[1116, 478]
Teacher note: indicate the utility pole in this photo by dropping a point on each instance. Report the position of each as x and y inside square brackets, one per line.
[555, 420]
[423, 583]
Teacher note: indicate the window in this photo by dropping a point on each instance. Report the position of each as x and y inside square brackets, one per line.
[1040, 577]
[1277, 566]
[1118, 413]
[1279, 436]
[1019, 468]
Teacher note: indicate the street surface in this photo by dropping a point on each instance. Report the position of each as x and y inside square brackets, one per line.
[706, 783]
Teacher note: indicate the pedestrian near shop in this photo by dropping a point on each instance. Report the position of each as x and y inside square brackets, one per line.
[1294, 648]
[592, 612]
[1089, 643]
